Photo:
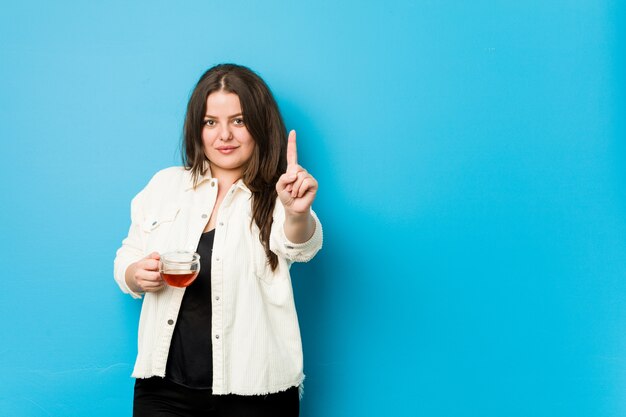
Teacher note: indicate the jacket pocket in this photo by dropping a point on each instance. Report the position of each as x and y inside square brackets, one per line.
[156, 221]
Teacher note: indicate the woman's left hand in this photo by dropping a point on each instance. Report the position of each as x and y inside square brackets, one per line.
[296, 188]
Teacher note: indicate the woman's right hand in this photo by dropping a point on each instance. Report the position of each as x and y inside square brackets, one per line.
[144, 275]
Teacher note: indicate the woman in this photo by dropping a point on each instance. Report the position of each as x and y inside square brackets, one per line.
[229, 344]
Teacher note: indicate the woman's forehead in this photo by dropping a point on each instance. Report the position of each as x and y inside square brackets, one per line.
[223, 102]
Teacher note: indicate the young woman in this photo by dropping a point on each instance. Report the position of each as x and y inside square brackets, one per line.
[229, 344]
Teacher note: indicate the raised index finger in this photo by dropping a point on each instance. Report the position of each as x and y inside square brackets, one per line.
[292, 151]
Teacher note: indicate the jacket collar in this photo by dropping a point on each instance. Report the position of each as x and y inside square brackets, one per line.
[209, 177]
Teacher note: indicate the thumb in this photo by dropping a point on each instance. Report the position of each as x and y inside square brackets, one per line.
[285, 180]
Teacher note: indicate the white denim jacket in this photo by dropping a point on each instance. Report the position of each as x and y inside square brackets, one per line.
[256, 338]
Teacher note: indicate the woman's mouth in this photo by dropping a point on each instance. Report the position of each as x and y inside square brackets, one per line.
[226, 149]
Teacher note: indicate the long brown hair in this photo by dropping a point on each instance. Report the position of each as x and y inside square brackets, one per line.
[264, 122]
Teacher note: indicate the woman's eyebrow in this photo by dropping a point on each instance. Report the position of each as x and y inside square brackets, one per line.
[230, 117]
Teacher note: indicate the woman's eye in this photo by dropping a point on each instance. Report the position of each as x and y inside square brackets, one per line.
[209, 122]
[238, 122]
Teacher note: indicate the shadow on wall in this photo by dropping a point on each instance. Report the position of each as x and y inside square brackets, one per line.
[336, 306]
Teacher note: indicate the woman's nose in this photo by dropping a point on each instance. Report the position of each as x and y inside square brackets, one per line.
[225, 133]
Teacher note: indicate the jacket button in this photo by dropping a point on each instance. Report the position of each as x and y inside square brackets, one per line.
[217, 336]
[170, 322]
[217, 298]
[204, 216]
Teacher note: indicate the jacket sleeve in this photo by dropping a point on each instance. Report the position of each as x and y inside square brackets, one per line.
[294, 252]
[132, 248]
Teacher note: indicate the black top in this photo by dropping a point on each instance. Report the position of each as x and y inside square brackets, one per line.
[190, 361]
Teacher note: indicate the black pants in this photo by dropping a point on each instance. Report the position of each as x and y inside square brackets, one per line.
[158, 397]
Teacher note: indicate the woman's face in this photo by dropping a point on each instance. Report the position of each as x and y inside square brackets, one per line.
[227, 143]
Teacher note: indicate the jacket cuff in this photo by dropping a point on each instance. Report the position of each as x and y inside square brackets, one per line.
[121, 274]
[305, 251]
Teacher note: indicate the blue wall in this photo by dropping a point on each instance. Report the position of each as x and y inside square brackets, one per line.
[471, 159]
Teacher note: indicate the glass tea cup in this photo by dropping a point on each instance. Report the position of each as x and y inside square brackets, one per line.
[179, 268]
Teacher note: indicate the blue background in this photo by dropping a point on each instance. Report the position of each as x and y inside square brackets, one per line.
[471, 159]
